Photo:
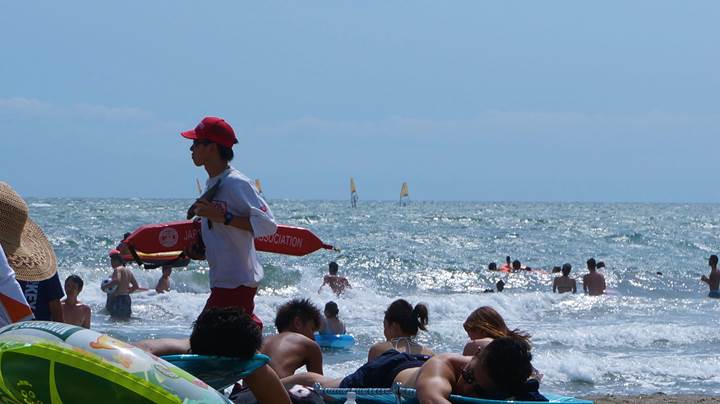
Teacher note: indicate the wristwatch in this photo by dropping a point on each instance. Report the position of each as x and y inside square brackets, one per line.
[228, 218]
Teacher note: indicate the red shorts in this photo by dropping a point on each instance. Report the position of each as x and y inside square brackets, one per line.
[242, 297]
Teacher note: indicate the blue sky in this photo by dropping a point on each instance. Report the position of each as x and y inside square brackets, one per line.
[465, 100]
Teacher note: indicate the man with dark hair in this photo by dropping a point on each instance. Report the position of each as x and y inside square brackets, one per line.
[713, 280]
[226, 332]
[231, 221]
[593, 282]
[337, 283]
[500, 371]
[294, 346]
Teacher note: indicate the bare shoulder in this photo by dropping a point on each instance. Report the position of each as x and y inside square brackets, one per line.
[377, 349]
[475, 345]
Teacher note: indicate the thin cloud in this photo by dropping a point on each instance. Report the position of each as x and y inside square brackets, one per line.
[31, 107]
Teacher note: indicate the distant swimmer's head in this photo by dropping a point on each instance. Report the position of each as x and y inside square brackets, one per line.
[556, 269]
[566, 268]
[503, 366]
[331, 310]
[227, 331]
[600, 264]
[713, 260]
[500, 285]
[402, 318]
[591, 264]
[507, 260]
[333, 268]
[516, 265]
[212, 138]
[485, 322]
[298, 315]
[492, 266]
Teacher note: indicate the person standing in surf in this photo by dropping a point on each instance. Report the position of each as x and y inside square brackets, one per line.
[231, 221]
[713, 280]
[593, 282]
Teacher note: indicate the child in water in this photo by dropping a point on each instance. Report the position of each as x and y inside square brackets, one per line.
[163, 284]
[331, 324]
[75, 312]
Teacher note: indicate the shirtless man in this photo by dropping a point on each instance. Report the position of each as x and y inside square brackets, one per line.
[163, 284]
[294, 346]
[565, 283]
[226, 332]
[337, 283]
[74, 312]
[500, 371]
[119, 303]
[713, 280]
[594, 282]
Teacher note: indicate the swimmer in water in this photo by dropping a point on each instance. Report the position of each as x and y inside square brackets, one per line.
[713, 280]
[337, 283]
[400, 327]
[593, 282]
[564, 283]
[331, 323]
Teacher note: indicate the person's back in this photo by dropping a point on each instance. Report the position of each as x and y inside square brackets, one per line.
[337, 283]
[593, 282]
[565, 283]
[401, 325]
[75, 312]
[331, 324]
[294, 346]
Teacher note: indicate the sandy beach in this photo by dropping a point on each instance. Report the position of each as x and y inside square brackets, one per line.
[653, 399]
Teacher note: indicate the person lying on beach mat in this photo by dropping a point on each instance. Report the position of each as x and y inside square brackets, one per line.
[227, 332]
[498, 372]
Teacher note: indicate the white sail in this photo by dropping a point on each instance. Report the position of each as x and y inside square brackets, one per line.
[353, 193]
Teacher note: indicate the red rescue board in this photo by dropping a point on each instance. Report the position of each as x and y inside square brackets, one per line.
[176, 236]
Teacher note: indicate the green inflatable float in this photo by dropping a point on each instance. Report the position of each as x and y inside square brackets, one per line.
[52, 363]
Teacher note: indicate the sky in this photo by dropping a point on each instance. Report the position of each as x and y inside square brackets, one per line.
[465, 100]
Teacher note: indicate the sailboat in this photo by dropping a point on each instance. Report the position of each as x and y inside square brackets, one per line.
[259, 187]
[353, 193]
[404, 194]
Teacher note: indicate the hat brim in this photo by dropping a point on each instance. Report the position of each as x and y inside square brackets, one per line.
[34, 260]
[189, 134]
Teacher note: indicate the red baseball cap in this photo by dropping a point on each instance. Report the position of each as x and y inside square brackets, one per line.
[213, 129]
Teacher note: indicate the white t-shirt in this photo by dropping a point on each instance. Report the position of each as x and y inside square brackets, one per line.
[230, 251]
[13, 306]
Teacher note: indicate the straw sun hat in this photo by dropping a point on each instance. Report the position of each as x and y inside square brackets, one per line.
[28, 250]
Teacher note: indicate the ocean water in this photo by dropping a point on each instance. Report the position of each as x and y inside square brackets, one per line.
[653, 333]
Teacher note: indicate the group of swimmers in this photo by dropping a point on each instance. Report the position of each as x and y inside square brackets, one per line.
[495, 362]
[593, 282]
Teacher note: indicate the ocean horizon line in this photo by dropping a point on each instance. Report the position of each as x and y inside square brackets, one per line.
[411, 201]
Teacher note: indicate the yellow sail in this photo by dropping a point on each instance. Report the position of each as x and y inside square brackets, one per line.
[258, 186]
[404, 190]
[352, 185]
